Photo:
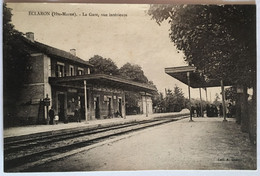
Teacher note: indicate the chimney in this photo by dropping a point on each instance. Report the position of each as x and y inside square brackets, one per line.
[73, 52]
[30, 36]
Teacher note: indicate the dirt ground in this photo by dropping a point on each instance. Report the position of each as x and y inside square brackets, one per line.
[205, 144]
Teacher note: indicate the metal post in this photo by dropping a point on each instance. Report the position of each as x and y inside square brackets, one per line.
[223, 100]
[46, 102]
[86, 102]
[188, 76]
[146, 111]
[201, 109]
[206, 93]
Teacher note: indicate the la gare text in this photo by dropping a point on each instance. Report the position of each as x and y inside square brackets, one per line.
[53, 14]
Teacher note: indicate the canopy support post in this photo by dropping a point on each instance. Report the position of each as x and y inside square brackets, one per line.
[146, 106]
[188, 76]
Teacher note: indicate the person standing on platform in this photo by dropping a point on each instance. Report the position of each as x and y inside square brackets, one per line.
[229, 110]
[198, 110]
[51, 115]
[192, 111]
[215, 111]
[211, 112]
[208, 110]
[220, 110]
[76, 115]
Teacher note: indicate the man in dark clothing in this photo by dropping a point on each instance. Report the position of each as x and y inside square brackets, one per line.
[51, 115]
[215, 111]
[76, 115]
[192, 111]
[198, 110]
[208, 110]
[220, 110]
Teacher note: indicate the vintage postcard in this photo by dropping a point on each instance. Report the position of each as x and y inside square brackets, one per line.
[129, 87]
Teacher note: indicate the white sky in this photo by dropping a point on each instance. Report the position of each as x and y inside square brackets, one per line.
[136, 38]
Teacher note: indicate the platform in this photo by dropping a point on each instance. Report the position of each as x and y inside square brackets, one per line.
[39, 129]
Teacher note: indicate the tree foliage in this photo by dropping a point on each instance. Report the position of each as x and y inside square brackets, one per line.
[220, 40]
[216, 100]
[231, 94]
[14, 59]
[103, 65]
[133, 72]
[174, 100]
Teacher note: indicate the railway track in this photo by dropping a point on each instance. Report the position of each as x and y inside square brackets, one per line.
[21, 151]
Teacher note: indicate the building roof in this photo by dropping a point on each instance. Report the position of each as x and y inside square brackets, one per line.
[197, 80]
[49, 50]
[102, 79]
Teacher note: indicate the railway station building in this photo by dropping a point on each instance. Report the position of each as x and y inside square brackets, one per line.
[63, 81]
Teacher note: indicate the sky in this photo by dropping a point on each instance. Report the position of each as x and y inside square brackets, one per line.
[134, 38]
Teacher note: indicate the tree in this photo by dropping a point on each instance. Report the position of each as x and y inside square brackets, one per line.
[133, 72]
[231, 94]
[103, 65]
[220, 41]
[209, 37]
[216, 101]
[169, 101]
[14, 63]
[180, 99]
[174, 100]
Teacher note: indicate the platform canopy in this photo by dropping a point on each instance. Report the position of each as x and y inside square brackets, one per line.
[102, 80]
[197, 79]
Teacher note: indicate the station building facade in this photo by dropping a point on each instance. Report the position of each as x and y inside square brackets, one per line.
[66, 80]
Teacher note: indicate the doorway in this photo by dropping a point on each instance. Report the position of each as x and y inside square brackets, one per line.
[61, 107]
[97, 109]
[120, 106]
[109, 107]
[82, 107]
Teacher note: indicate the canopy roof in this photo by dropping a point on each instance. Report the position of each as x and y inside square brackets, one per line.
[101, 79]
[197, 80]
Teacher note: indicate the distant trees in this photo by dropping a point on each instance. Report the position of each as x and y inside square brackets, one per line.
[179, 98]
[216, 100]
[133, 72]
[103, 65]
[174, 101]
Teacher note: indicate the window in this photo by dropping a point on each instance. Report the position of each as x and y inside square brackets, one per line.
[71, 71]
[60, 69]
[80, 71]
